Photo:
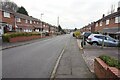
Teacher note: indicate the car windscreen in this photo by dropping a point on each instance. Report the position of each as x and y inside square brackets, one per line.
[87, 34]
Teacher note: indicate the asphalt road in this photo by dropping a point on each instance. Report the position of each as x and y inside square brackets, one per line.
[34, 60]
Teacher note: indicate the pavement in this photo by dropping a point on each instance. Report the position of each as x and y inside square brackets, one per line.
[91, 52]
[72, 64]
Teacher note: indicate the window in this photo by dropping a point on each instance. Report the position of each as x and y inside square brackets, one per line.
[37, 22]
[89, 28]
[101, 37]
[6, 14]
[18, 19]
[107, 22]
[117, 19]
[30, 21]
[96, 24]
[26, 21]
[34, 22]
[101, 23]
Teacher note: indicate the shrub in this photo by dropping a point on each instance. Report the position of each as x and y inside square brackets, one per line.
[77, 34]
[7, 36]
[112, 62]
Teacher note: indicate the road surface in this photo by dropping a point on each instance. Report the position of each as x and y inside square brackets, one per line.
[34, 60]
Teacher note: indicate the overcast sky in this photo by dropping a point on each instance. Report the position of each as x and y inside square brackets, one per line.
[72, 13]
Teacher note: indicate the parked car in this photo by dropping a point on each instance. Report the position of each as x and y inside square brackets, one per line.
[97, 39]
[86, 34]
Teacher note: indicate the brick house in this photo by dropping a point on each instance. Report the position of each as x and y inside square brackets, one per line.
[7, 20]
[12, 21]
[109, 24]
[27, 23]
[88, 28]
[46, 27]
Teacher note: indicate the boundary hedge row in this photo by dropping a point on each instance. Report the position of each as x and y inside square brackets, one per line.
[112, 62]
[6, 37]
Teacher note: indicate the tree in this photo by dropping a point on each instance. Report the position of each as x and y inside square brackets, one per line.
[22, 10]
[7, 4]
[59, 28]
[75, 29]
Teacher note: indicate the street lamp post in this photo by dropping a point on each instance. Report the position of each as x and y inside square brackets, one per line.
[58, 21]
[42, 24]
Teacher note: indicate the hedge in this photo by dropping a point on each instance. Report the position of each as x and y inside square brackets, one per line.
[7, 36]
[77, 34]
[112, 62]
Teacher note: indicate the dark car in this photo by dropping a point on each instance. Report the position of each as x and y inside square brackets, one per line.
[86, 34]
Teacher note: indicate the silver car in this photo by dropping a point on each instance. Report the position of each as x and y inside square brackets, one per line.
[97, 39]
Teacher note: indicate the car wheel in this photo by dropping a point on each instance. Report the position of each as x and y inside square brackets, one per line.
[95, 44]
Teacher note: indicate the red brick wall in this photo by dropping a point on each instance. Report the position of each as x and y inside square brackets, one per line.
[93, 28]
[98, 28]
[102, 70]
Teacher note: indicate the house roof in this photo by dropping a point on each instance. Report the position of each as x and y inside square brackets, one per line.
[6, 9]
[115, 14]
[18, 14]
[25, 16]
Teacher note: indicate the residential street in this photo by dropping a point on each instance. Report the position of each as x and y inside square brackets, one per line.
[35, 60]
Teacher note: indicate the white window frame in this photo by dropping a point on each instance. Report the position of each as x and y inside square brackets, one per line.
[107, 21]
[18, 19]
[96, 24]
[6, 14]
[37, 22]
[26, 21]
[101, 23]
[117, 19]
[30, 21]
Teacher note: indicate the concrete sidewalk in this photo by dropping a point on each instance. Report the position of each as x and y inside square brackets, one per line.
[91, 52]
[72, 64]
[6, 45]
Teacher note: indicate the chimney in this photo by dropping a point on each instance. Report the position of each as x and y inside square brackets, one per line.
[118, 9]
[103, 16]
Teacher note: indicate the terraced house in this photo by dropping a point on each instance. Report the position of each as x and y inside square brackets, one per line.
[12, 21]
[7, 21]
[109, 24]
